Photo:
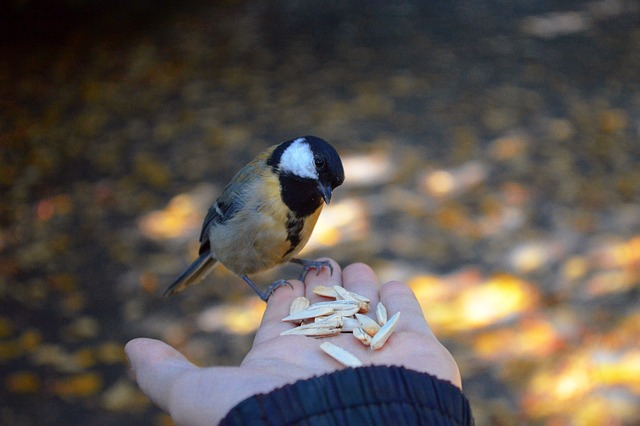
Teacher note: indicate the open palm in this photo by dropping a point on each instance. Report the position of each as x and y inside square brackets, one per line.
[195, 396]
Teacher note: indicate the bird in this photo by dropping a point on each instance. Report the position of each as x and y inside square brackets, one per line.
[266, 214]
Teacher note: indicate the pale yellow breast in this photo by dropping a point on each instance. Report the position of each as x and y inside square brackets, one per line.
[256, 238]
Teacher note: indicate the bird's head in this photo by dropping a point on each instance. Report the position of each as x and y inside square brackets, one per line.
[309, 169]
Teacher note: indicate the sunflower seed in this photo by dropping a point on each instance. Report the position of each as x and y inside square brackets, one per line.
[385, 332]
[337, 304]
[368, 325]
[311, 312]
[381, 313]
[361, 335]
[344, 307]
[349, 324]
[341, 355]
[336, 316]
[313, 329]
[325, 291]
[299, 304]
[350, 295]
[345, 294]
[336, 319]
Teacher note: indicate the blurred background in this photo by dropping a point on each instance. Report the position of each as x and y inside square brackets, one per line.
[492, 158]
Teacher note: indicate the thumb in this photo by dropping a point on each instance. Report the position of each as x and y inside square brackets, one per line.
[155, 366]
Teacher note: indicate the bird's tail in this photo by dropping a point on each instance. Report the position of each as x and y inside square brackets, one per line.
[195, 272]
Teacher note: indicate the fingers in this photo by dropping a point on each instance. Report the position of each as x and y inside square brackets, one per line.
[156, 365]
[397, 297]
[278, 308]
[280, 300]
[191, 395]
[359, 278]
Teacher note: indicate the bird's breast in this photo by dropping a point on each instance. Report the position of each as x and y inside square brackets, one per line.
[264, 233]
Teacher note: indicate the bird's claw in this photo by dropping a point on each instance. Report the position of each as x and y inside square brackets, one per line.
[264, 295]
[308, 265]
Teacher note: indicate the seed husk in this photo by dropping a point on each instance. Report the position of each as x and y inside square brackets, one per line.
[362, 336]
[349, 324]
[325, 291]
[343, 314]
[368, 325]
[341, 355]
[350, 295]
[337, 319]
[344, 307]
[310, 312]
[298, 304]
[381, 313]
[313, 329]
[385, 332]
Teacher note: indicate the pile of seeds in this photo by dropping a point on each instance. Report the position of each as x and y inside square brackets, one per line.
[344, 314]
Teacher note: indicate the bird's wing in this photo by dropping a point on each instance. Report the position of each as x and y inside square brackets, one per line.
[232, 199]
[222, 210]
[225, 207]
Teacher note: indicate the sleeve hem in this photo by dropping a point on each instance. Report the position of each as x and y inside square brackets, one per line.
[364, 395]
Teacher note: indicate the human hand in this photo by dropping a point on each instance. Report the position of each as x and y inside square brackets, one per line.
[199, 396]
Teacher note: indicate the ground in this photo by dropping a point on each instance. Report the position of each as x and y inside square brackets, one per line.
[491, 157]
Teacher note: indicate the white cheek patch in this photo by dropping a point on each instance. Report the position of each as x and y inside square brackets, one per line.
[297, 159]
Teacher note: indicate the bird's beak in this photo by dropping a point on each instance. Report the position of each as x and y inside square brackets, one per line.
[325, 190]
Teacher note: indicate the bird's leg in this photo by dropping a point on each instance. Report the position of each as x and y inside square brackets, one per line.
[264, 295]
[308, 265]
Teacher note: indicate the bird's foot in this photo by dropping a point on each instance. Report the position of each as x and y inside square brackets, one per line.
[308, 265]
[264, 295]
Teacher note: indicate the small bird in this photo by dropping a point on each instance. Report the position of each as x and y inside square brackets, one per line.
[266, 214]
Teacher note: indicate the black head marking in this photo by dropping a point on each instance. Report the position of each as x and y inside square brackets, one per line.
[300, 184]
[327, 162]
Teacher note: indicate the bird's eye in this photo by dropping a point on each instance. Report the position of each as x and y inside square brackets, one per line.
[320, 163]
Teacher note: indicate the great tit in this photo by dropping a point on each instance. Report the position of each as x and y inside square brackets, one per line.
[266, 214]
